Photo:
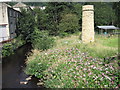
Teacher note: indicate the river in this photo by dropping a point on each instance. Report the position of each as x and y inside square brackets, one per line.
[13, 70]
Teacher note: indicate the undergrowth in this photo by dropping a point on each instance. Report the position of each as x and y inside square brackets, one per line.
[72, 64]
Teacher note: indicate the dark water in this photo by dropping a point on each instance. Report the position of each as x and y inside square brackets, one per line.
[12, 70]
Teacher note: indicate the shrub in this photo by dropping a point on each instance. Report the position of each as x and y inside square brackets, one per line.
[41, 40]
[7, 49]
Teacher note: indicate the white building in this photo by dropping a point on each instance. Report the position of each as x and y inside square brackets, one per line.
[8, 20]
[42, 8]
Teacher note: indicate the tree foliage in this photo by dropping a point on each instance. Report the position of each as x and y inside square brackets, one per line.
[40, 19]
[68, 24]
[116, 7]
[104, 14]
[41, 40]
[56, 12]
[26, 25]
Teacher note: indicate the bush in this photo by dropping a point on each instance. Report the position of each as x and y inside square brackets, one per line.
[41, 40]
[7, 49]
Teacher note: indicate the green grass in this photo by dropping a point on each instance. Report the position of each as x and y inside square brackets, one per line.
[73, 64]
[110, 42]
[101, 48]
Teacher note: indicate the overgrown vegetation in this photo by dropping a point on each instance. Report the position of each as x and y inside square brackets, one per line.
[116, 7]
[68, 25]
[41, 40]
[72, 64]
[8, 48]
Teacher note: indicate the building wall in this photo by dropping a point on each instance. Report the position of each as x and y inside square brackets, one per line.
[12, 18]
[8, 21]
[4, 26]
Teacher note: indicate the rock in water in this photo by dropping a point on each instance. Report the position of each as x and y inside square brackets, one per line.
[40, 83]
[23, 82]
[29, 78]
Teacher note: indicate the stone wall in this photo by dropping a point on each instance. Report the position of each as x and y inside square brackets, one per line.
[88, 24]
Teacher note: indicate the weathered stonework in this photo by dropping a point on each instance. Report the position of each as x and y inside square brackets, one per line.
[88, 24]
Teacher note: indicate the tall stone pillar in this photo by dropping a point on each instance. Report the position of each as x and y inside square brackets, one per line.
[88, 24]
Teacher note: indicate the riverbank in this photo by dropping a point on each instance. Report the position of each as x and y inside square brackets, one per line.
[10, 47]
[13, 66]
[72, 64]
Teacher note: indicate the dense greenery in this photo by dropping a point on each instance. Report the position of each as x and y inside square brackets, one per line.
[41, 40]
[41, 19]
[104, 13]
[55, 12]
[68, 24]
[76, 65]
[26, 25]
[116, 6]
[9, 48]
[32, 27]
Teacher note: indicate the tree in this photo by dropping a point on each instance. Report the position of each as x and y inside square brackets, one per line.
[26, 25]
[78, 11]
[41, 19]
[54, 11]
[104, 14]
[36, 3]
[68, 24]
[116, 7]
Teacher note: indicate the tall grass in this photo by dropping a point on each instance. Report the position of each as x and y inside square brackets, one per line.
[102, 47]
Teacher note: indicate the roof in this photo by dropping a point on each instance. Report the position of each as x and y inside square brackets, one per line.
[19, 5]
[4, 4]
[108, 27]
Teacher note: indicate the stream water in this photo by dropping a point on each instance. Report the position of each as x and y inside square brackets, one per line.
[13, 70]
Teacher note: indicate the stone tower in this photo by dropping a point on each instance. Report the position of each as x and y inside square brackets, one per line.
[88, 24]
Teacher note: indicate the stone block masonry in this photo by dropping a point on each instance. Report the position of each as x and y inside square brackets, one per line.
[88, 24]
